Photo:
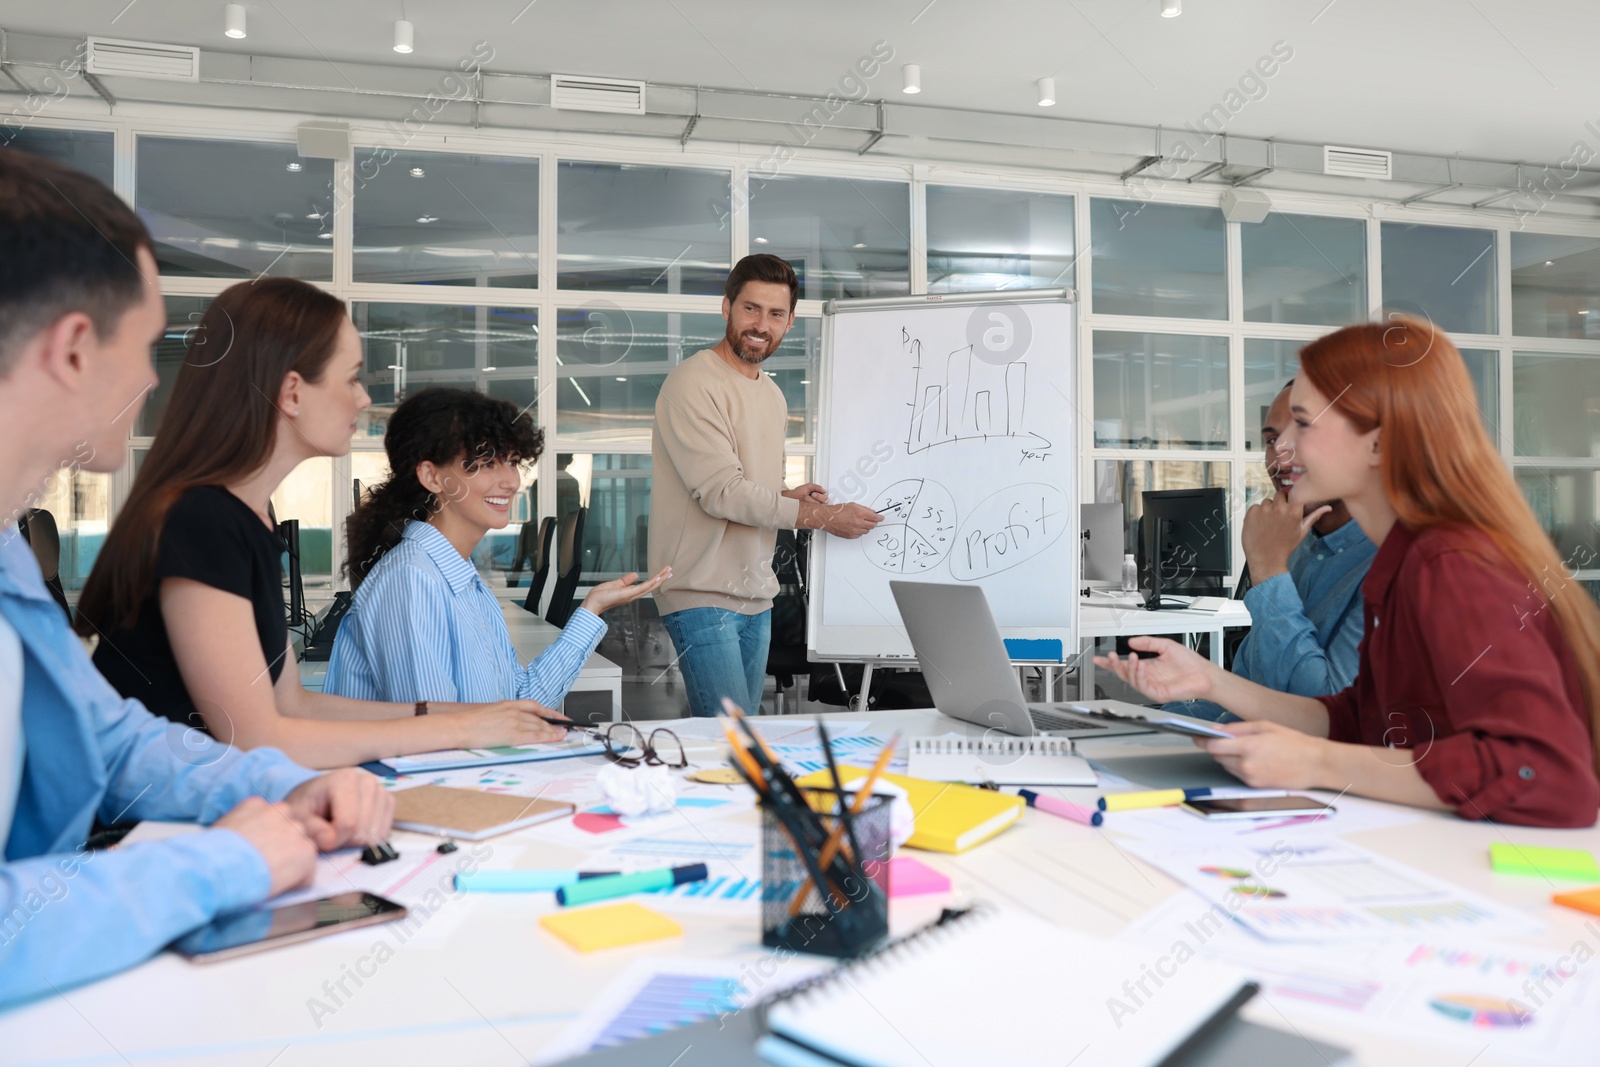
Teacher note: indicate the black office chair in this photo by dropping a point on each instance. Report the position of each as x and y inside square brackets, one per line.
[541, 561]
[786, 655]
[38, 528]
[569, 567]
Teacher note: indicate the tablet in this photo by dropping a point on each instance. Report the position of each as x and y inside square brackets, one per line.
[240, 933]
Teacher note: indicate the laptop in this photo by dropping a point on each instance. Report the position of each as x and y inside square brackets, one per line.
[969, 674]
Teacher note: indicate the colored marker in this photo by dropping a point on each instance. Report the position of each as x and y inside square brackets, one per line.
[522, 881]
[1064, 808]
[1231, 793]
[617, 885]
[1160, 798]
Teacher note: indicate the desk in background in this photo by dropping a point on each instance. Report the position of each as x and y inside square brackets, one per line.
[530, 635]
[1099, 620]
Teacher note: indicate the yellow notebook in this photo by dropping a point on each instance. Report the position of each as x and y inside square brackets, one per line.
[609, 925]
[951, 817]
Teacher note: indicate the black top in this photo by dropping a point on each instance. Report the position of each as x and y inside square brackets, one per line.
[210, 536]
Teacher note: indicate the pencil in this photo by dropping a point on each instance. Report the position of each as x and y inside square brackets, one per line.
[864, 794]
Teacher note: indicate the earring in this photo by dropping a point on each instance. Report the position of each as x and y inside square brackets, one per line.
[295, 414]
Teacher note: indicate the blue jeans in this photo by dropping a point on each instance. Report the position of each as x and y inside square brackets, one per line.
[722, 654]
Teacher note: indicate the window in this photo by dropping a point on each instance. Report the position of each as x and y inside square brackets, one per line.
[446, 219]
[1556, 404]
[1158, 259]
[1567, 504]
[307, 496]
[80, 504]
[1555, 286]
[1304, 268]
[1125, 481]
[183, 320]
[1483, 364]
[642, 229]
[616, 490]
[1160, 390]
[410, 346]
[1444, 274]
[85, 150]
[236, 209]
[985, 239]
[1268, 366]
[845, 237]
[610, 365]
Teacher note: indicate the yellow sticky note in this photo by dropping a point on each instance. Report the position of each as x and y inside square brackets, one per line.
[609, 925]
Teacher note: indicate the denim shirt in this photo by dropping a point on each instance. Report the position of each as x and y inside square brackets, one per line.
[68, 915]
[1306, 625]
[424, 626]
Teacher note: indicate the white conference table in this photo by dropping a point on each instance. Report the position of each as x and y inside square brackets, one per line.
[530, 635]
[494, 988]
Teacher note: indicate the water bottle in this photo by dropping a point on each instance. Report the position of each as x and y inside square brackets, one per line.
[1130, 574]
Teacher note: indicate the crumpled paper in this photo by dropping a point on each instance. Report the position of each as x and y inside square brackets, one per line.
[644, 790]
[902, 819]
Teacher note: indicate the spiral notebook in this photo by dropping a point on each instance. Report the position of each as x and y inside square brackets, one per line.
[1001, 760]
[993, 987]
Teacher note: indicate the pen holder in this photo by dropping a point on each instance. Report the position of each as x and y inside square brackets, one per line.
[854, 916]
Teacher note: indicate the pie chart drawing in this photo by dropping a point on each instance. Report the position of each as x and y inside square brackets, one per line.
[1483, 1013]
[918, 527]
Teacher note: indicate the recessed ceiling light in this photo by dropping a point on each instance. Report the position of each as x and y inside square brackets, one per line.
[425, 219]
[911, 77]
[325, 236]
[1171, 9]
[1584, 311]
[293, 168]
[233, 20]
[417, 172]
[859, 244]
[805, 381]
[491, 368]
[1549, 263]
[402, 36]
[314, 215]
[761, 240]
[622, 379]
[1047, 92]
[394, 366]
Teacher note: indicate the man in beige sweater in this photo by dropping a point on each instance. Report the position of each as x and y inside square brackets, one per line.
[717, 498]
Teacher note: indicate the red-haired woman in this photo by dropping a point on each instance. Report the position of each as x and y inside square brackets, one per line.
[1479, 678]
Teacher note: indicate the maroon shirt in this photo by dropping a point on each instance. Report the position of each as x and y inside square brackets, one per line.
[1464, 666]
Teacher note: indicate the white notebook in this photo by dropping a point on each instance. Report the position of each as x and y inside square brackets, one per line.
[1001, 760]
[993, 987]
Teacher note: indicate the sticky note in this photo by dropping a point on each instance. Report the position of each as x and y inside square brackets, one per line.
[1571, 864]
[913, 878]
[609, 926]
[1584, 900]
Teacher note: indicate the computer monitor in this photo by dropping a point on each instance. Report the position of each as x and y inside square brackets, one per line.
[1185, 546]
[1103, 541]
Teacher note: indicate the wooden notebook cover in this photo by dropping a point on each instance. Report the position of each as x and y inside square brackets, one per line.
[470, 812]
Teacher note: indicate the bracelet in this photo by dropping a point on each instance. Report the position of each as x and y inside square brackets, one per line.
[422, 707]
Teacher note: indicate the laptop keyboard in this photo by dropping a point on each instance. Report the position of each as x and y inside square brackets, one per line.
[1049, 720]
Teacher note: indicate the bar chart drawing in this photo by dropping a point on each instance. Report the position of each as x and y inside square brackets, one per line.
[963, 398]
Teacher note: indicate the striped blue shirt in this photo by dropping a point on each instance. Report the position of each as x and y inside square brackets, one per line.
[424, 626]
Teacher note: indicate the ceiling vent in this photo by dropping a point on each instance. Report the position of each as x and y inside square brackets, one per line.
[140, 59]
[1357, 163]
[573, 93]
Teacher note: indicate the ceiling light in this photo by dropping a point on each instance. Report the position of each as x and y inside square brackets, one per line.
[491, 368]
[402, 36]
[233, 20]
[1171, 9]
[761, 240]
[292, 168]
[314, 215]
[417, 172]
[395, 366]
[859, 244]
[425, 219]
[1583, 311]
[913, 78]
[622, 379]
[325, 236]
[1047, 92]
[1549, 263]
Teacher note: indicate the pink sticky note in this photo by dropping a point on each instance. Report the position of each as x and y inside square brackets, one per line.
[912, 878]
[595, 823]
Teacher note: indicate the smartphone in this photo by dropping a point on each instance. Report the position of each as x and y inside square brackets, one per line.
[1257, 807]
[240, 933]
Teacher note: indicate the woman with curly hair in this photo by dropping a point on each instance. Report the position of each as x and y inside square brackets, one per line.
[423, 625]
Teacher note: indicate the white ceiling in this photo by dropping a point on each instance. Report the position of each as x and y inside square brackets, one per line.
[1491, 79]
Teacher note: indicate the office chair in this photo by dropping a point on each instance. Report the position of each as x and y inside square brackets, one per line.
[38, 528]
[541, 561]
[786, 655]
[569, 567]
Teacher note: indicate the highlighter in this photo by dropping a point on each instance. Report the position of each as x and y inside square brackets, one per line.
[617, 885]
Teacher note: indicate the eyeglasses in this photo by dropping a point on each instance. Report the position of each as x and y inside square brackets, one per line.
[627, 745]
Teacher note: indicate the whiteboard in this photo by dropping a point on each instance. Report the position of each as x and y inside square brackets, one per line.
[956, 418]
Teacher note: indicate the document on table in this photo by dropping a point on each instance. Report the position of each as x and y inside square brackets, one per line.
[1312, 890]
[1474, 993]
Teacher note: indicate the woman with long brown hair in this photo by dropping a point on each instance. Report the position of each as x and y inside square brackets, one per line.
[186, 595]
[1479, 682]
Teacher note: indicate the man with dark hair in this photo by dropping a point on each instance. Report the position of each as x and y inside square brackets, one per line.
[1305, 596]
[80, 308]
[717, 496]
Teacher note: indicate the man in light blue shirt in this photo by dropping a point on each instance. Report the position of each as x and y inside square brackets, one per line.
[1307, 564]
[80, 309]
